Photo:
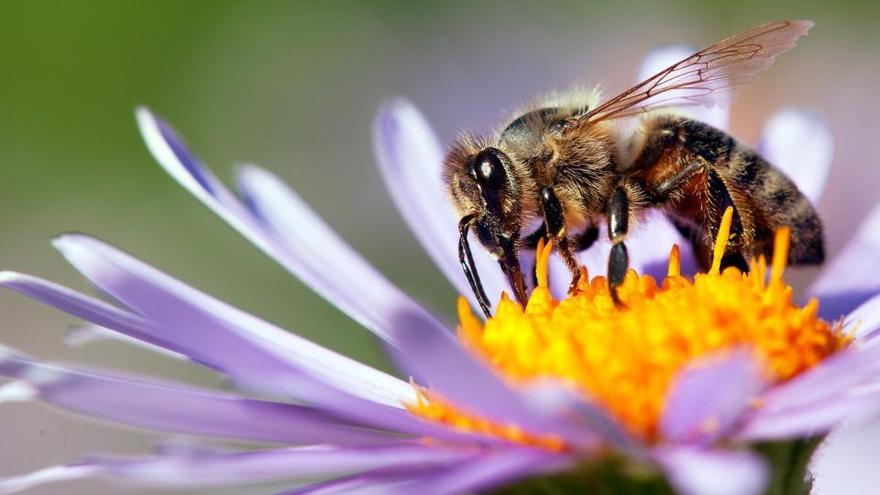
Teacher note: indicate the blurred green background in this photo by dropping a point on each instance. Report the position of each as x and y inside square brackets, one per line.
[293, 86]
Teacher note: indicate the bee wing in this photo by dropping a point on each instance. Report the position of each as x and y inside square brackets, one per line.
[709, 76]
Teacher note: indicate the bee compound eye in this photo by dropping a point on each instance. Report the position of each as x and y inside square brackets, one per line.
[489, 169]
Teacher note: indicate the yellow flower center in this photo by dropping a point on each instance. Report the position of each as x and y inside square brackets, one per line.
[626, 358]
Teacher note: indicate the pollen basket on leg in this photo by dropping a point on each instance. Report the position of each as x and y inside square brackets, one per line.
[626, 358]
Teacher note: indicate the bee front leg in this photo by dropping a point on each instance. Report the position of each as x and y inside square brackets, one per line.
[554, 221]
[618, 227]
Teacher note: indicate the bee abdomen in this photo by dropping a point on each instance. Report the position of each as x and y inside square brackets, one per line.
[777, 202]
[696, 171]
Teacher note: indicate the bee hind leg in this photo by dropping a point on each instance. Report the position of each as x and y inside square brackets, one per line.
[721, 199]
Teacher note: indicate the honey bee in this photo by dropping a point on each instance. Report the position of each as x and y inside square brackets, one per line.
[572, 164]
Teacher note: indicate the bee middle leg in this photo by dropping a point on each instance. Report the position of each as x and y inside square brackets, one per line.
[618, 228]
[554, 223]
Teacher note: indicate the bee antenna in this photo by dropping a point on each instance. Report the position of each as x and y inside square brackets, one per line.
[467, 264]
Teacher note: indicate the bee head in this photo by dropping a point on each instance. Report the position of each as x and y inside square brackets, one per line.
[482, 184]
[484, 190]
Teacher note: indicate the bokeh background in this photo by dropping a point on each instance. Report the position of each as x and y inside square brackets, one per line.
[293, 86]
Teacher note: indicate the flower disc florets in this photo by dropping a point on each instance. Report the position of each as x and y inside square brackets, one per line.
[626, 358]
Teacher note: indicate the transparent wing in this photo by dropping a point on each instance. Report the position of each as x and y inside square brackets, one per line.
[709, 76]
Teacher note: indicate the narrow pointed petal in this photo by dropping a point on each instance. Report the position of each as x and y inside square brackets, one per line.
[851, 278]
[298, 253]
[491, 471]
[245, 468]
[799, 143]
[551, 398]
[330, 264]
[164, 406]
[695, 471]
[451, 371]
[266, 356]
[411, 160]
[709, 397]
[836, 375]
[844, 387]
[663, 57]
[54, 474]
[175, 157]
[865, 320]
[251, 350]
[813, 419]
[360, 484]
[308, 384]
[79, 335]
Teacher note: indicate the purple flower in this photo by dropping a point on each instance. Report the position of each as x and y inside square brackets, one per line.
[321, 416]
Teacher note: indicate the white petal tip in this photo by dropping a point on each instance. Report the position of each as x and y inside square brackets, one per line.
[248, 172]
[395, 116]
[6, 353]
[9, 277]
[52, 474]
[18, 392]
[662, 57]
[77, 249]
[695, 471]
[143, 114]
[396, 105]
[798, 142]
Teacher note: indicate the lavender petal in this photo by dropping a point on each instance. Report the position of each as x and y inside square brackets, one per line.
[864, 321]
[358, 483]
[291, 380]
[266, 356]
[851, 277]
[845, 386]
[410, 159]
[491, 471]
[696, 471]
[799, 144]
[341, 270]
[709, 397]
[54, 474]
[836, 375]
[298, 254]
[812, 419]
[213, 328]
[261, 350]
[244, 468]
[175, 408]
[79, 335]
